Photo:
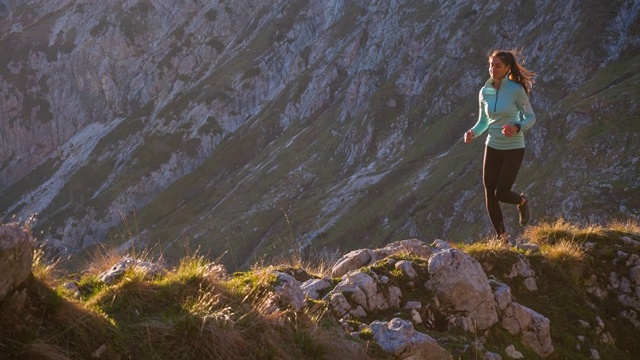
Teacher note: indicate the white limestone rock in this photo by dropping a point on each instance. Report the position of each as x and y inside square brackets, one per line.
[462, 288]
[399, 338]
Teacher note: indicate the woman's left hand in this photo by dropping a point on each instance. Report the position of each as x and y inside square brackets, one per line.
[509, 129]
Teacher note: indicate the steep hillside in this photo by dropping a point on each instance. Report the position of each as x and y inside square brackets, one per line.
[243, 127]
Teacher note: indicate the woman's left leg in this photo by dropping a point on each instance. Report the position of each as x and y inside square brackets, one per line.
[508, 174]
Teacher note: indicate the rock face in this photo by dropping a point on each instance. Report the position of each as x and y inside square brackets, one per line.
[625, 284]
[222, 115]
[533, 328]
[16, 258]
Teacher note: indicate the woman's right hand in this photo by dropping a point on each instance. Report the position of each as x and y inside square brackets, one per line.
[468, 136]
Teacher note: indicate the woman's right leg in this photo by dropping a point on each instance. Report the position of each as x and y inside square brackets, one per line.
[491, 168]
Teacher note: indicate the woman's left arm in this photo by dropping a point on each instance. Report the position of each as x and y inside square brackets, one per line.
[528, 116]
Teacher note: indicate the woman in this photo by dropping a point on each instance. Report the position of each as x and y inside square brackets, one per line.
[504, 111]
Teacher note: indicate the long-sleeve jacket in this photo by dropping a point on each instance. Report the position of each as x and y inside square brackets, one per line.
[508, 105]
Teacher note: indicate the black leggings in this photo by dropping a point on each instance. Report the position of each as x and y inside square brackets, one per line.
[499, 172]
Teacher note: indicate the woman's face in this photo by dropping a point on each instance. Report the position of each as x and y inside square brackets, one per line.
[497, 69]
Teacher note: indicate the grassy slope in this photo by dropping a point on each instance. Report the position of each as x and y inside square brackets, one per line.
[198, 311]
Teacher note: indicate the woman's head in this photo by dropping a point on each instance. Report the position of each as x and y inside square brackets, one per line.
[504, 62]
[498, 67]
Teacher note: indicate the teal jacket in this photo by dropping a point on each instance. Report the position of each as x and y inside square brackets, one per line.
[509, 105]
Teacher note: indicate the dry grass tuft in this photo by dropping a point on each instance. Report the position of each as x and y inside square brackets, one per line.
[316, 263]
[197, 266]
[568, 257]
[45, 270]
[629, 226]
[565, 251]
[494, 255]
[551, 233]
[490, 245]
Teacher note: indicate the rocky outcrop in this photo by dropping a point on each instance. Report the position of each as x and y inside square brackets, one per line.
[359, 294]
[533, 329]
[364, 257]
[16, 260]
[462, 293]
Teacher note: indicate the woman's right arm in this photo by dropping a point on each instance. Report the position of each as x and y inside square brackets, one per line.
[481, 125]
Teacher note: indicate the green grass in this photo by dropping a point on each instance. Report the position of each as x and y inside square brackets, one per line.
[195, 311]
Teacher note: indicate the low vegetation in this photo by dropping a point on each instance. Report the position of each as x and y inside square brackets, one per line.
[199, 311]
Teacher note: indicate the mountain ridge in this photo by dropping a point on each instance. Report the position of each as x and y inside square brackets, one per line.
[561, 292]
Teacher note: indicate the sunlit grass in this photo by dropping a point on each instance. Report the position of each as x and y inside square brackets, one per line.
[550, 233]
[493, 254]
[629, 226]
[569, 257]
[316, 264]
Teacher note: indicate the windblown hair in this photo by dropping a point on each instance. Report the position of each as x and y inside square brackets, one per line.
[518, 73]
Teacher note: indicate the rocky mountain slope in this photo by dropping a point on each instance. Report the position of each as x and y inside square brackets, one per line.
[248, 127]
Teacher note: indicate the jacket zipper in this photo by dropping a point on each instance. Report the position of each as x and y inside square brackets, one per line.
[496, 103]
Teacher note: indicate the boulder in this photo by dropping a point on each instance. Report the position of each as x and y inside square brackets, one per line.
[312, 288]
[359, 288]
[512, 353]
[288, 291]
[413, 305]
[440, 245]
[533, 248]
[534, 329]
[352, 261]
[407, 268]
[399, 338]
[16, 258]
[462, 289]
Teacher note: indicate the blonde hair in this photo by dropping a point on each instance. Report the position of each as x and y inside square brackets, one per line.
[518, 72]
